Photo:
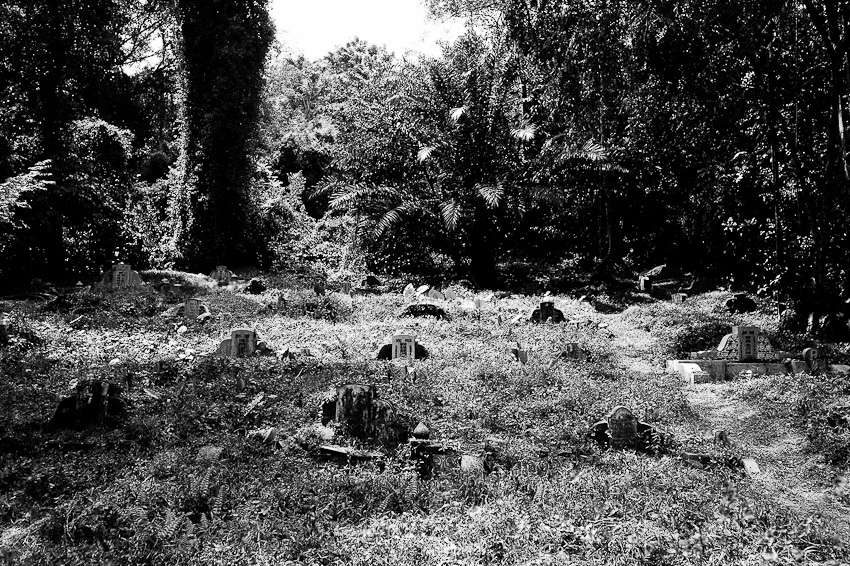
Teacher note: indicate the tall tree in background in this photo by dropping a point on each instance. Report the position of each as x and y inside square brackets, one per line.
[223, 52]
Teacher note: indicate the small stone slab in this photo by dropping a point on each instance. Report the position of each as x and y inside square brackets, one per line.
[678, 298]
[425, 309]
[751, 466]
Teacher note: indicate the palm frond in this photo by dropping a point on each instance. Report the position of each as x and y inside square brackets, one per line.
[425, 153]
[455, 114]
[526, 132]
[450, 211]
[492, 194]
[387, 221]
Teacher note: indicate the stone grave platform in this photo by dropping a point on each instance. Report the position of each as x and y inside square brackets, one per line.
[746, 350]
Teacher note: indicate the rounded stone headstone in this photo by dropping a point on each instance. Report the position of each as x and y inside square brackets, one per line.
[622, 427]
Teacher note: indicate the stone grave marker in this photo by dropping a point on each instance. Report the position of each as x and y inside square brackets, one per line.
[222, 275]
[547, 311]
[645, 283]
[241, 344]
[622, 427]
[192, 309]
[678, 298]
[121, 275]
[810, 356]
[404, 346]
[748, 339]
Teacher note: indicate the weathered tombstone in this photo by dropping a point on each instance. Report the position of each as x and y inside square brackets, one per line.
[222, 275]
[748, 339]
[404, 346]
[355, 408]
[192, 309]
[622, 427]
[242, 343]
[645, 283]
[547, 311]
[121, 275]
[678, 298]
[520, 353]
[810, 356]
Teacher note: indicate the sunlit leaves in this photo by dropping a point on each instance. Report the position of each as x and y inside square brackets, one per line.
[492, 194]
[455, 114]
[425, 153]
[450, 211]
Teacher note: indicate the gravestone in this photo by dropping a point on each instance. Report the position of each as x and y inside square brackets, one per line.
[748, 340]
[121, 275]
[645, 283]
[192, 309]
[404, 346]
[222, 275]
[355, 408]
[242, 343]
[547, 311]
[622, 427]
[810, 356]
[678, 298]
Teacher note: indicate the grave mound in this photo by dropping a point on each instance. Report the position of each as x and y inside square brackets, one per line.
[386, 352]
[547, 311]
[425, 309]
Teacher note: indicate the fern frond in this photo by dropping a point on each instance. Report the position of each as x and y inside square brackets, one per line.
[492, 194]
[450, 211]
[170, 526]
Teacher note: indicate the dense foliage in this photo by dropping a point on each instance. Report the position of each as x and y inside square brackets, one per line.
[614, 135]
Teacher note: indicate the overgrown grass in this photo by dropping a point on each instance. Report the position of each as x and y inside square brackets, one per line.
[158, 491]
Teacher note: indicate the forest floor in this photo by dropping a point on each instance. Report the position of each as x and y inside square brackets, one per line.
[216, 461]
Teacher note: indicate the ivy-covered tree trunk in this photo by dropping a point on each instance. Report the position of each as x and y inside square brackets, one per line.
[223, 49]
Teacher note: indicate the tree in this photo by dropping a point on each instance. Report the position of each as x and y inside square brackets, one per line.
[223, 50]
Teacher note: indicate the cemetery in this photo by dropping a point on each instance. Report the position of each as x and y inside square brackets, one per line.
[236, 387]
